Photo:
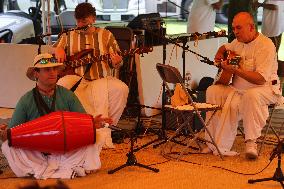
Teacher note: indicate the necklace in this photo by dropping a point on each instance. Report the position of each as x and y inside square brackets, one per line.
[48, 92]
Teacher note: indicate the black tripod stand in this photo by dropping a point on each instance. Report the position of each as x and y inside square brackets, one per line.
[278, 174]
[131, 159]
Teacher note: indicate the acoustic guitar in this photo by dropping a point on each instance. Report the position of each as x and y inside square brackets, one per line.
[81, 59]
[224, 77]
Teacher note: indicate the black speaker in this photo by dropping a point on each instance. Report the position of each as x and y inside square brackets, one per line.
[152, 25]
[150, 21]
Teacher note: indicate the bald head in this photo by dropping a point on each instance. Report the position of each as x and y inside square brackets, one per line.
[244, 17]
[244, 27]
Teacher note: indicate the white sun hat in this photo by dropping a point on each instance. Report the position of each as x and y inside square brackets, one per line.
[42, 61]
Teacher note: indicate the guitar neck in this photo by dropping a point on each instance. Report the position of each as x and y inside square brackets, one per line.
[105, 57]
[89, 60]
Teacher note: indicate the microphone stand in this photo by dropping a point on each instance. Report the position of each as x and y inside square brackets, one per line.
[131, 158]
[164, 100]
[278, 174]
[185, 48]
[164, 97]
[40, 42]
[186, 11]
[84, 28]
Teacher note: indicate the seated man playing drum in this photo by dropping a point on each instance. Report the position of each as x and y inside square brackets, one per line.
[45, 98]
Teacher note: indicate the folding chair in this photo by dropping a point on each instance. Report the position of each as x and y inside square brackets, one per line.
[270, 126]
[171, 75]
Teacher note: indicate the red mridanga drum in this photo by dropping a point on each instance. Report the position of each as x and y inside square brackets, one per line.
[57, 132]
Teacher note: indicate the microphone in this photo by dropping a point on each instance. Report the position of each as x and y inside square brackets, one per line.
[207, 61]
[210, 62]
[221, 33]
[114, 128]
[84, 28]
[277, 150]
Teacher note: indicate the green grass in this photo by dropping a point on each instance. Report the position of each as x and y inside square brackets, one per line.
[177, 27]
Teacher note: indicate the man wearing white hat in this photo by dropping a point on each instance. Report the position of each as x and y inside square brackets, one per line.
[48, 97]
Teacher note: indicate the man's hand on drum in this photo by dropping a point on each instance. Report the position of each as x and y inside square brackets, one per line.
[101, 121]
[3, 132]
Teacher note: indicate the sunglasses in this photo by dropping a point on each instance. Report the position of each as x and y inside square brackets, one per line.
[46, 60]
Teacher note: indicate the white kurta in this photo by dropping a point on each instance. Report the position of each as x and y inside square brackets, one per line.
[202, 16]
[273, 20]
[26, 162]
[106, 96]
[244, 100]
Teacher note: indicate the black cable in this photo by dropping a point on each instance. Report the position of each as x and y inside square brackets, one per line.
[240, 173]
[158, 163]
[167, 156]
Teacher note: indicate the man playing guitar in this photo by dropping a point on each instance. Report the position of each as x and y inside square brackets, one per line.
[98, 91]
[254, 86]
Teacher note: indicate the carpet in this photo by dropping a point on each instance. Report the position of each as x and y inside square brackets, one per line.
[189, 171]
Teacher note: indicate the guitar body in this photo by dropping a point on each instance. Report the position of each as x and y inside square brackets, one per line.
[69, 70]
[224, 77]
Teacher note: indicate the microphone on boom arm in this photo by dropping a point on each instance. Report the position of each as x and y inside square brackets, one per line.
[210, 34]
[207, 61]
[83, 28]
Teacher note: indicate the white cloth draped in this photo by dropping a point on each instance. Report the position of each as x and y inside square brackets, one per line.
[26, 162]
[251, 106]
[106, 96]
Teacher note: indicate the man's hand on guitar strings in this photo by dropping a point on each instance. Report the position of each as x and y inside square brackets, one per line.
[228, 67]
[115, 59]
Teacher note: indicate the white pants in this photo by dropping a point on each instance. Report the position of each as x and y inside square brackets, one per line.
[251, 106]
[26, 162]
[106, 96]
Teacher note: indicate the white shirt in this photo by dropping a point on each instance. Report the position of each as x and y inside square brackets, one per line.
[202, 16]
[258, 56]
[273, 20]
